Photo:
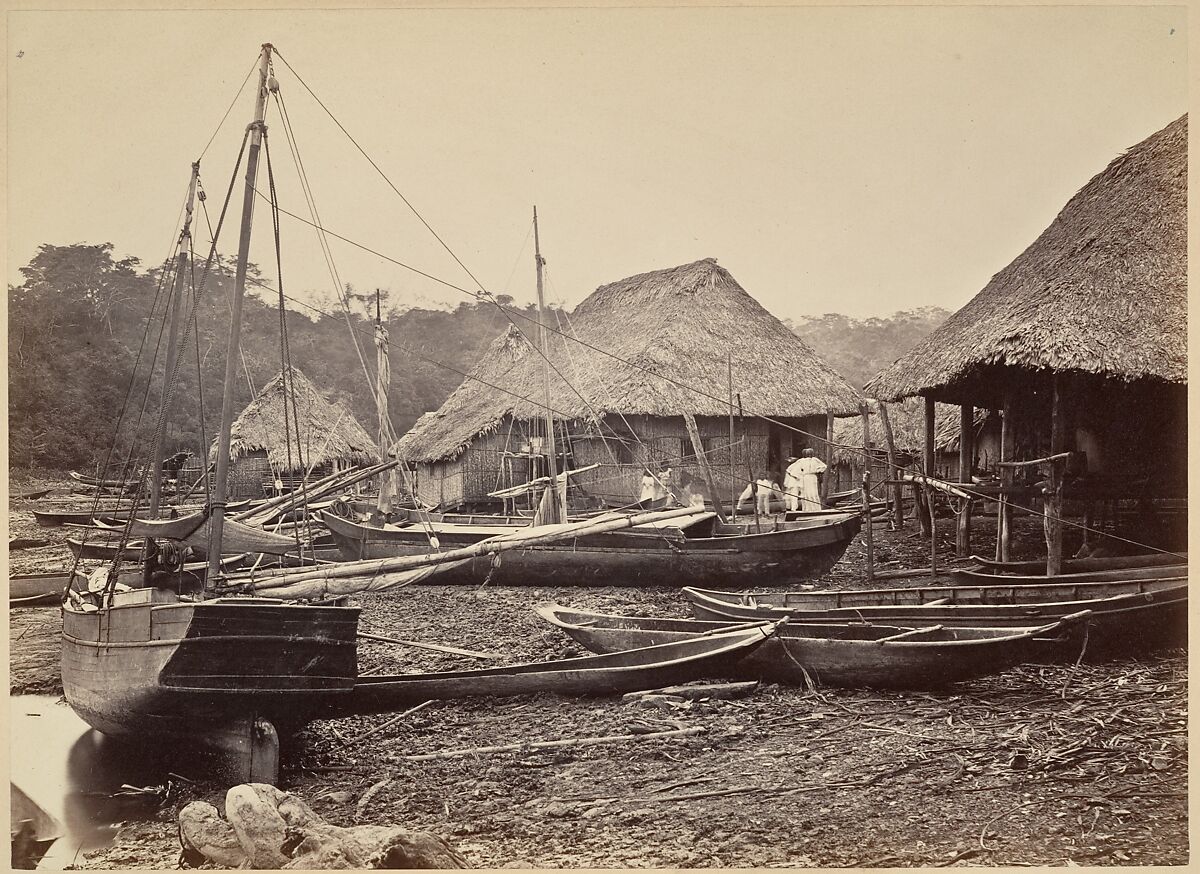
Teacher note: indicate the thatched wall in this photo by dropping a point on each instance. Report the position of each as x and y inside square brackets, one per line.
[623, 449]
[328, 432]
[1102, 291]
[672, 331]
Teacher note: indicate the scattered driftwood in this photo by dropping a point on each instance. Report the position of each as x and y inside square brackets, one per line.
[699, 692]
[395, 719]
[267, 828]
[554, 744]
[436, 647]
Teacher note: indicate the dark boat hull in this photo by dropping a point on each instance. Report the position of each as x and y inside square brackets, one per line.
[849, 655]
[201, 674]
[634, 670]
[624, 558]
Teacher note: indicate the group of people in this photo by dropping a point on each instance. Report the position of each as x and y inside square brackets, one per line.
[801, 487]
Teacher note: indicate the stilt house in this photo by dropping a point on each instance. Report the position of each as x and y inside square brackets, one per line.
[1081, 341]
[625, 368]
[328, 438]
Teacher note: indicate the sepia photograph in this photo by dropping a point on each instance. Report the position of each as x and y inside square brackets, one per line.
[576, 437]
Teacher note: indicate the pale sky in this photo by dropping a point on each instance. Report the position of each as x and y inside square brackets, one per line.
[856, 160]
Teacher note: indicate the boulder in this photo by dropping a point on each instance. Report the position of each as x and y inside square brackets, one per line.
[267, 828]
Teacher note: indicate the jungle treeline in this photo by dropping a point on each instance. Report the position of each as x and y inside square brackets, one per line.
[85, 326]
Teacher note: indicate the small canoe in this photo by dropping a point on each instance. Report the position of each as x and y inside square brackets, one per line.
[18, 543]
[852, 655]
[633, 670]
[30, 590]
[1137, 616]
[104, 549]
[54, 516]
[34, 495]
[1098, 576]
[1078, 565]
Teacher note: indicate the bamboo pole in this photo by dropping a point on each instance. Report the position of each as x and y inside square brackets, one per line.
[893, 468]
[689, 422]
[519, 539]
[869, 533]
[1004, 513]
[966, 459]
[828, 479]
[1053, 500]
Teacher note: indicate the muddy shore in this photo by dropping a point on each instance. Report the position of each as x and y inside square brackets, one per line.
[1041, 764]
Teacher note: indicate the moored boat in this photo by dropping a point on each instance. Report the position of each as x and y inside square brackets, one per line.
[847, 654]
[1079, 565]
[700, 549]
[1142, 614]
[647, 667]
[1117, 574]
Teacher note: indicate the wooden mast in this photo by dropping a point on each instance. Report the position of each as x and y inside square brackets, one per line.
[551, 452]
[221, 476]
[175, 304]
[383, 380]
[168, 367]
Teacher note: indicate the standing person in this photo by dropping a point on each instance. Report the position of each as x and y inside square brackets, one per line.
[653, 493]
[791, 486]
[805, 472]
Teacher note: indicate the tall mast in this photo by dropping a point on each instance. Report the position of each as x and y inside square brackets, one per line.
[383, 379]
[175, 305]
[235, 320]
[551, 452]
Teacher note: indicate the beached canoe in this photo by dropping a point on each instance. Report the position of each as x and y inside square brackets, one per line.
[613, 674]
[1135, 616]
[984, 578]
[1079, 565]
[847, 654]
[698, 548]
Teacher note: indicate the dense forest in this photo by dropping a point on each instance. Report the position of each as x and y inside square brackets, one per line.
[85, 329]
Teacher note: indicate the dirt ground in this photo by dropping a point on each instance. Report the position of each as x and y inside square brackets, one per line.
[1039, 765]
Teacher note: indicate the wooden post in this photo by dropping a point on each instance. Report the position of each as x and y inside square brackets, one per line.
[928, 492]
[966, 461]
[893, 469]
[698, 445]
[828, 478]
[865, 411]
[925, 496]
[734, 491]
[1053, 496]
[869, 534]
[1007, 444]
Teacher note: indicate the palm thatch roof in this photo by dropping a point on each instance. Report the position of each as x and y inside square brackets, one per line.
[670, 332]
[1103, 290]
[327, 431]
[907, 419]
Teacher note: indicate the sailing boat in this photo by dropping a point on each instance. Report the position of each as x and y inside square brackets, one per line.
[225, 673]
[231, 674]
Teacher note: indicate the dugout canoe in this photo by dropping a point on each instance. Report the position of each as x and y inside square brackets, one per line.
[699, 549]
[1138, 615]
[55, 516]
[846, 654]
[30, 590]
[632, 670]
[1094, 576]
[1079, 565]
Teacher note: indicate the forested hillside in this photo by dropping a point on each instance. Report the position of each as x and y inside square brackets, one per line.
[860, 348]
[80, 324]
[76, 326]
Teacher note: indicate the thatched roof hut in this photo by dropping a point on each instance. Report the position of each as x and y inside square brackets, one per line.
[1103, 290]
[651, 345]
[328, 431]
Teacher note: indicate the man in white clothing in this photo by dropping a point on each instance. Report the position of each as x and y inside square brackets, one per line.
[801, 482]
